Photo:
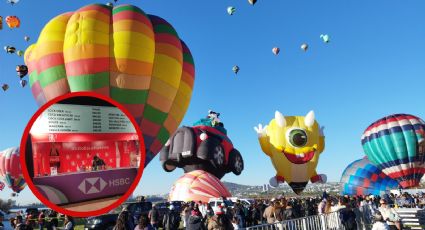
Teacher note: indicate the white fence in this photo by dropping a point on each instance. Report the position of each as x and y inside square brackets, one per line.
[329, 221]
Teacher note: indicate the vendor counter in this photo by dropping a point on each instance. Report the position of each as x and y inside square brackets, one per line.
[77, 187]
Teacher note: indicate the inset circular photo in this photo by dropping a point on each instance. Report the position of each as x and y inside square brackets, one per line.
[82, 154]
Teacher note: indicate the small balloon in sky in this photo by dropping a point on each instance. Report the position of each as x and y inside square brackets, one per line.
[231, 10]
[235, 69]
[13, 22]
[252, 2]
[22, 71]
[10, 49]
[12, 2]
[325, 38]
[23, 83]
[110, 4]
[26, 38]
[20, 53]
[275, 50]
[304, 46]
[5, 87]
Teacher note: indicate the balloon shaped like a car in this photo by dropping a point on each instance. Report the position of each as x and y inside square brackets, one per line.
[121, 52]
[204, 146]
[396, 145]
[10, 169]
[361, 177]
[294, 144]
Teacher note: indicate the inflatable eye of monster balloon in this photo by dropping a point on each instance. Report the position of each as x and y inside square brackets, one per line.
[121, 52]
[294, 144]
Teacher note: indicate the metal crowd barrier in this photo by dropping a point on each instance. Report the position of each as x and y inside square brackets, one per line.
[329, 221]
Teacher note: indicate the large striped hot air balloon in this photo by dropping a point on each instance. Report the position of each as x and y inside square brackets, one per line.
[10, 169]
[395, 145]
[361, 177]
[134, 58]
[197, 185]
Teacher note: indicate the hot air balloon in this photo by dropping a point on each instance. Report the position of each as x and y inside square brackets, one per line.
[235, 69]
[151, 72]
[325, 38]
[396, 145]
[12, 2]
[23, 83]
[26, 38]
[20, 53]
[304, 46]
[10, 169]
[13, 22]
[252, 2]
[294, 145]
[275, 50]
[361, 177]
[10, 49]
[5, 87]
[22, 71]
[110, 4]
[1, 22]
[231, 10]
[197, 185]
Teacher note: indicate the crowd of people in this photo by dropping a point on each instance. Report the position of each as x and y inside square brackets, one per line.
[373, 212]
[45, 219]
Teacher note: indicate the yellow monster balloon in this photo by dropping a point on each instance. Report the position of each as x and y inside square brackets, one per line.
[294, 144]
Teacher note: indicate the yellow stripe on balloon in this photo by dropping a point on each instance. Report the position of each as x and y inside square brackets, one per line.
[171, 74]
[133, 26]
[140, 48]
[77, 52]
[164, 89]
[47, 48]
[131, 67]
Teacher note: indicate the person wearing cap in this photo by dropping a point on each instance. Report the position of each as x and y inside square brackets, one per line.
[380, 223]
[219, 221]
[171, 219]
[195, 221]
[389, 215]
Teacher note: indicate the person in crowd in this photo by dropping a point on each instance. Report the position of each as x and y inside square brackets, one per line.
[143, 223]
[12, 222]
[347, 216]
[380, 223]
[390, 215]
[186, 214]
[171, 220]
[238, 210]
[124, 221]
[69, 223]
[154, 216]
[269, 213]
[235, 223]
[219, 221]
[19, 224]
[322, 206]
[97, 164]
[41, 220]
[195, 221]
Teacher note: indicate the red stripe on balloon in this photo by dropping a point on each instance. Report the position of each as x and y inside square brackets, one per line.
[132, 15]
[391, 119]
[169, 39]
[49, 61]
[87, 66]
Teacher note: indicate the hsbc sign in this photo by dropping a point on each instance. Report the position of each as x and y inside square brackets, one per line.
[97, 184]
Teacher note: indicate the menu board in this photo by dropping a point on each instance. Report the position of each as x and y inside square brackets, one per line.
[64, 118]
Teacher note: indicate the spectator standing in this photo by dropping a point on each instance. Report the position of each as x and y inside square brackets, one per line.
[154, 217]
[389, 215]
[41, 220]
[69, 223]
[195, 221]
[143, 224]
[124, 222]
[171, 219]
[380, 223]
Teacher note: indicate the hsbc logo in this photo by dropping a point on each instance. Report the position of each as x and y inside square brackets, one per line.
[97, 184]
[92, 185]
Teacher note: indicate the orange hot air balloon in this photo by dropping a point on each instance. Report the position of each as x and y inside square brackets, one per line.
[13, 22]
[121, 52]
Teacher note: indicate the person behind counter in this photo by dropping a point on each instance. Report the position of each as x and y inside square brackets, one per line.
[97, 163]
[54, 160]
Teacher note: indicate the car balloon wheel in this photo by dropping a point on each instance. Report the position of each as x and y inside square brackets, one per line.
[218, 155]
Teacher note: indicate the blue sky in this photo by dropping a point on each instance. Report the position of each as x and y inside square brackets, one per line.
[372, 67]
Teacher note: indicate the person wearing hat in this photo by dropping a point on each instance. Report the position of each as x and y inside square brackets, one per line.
[380, 223]
[219, 221]
[171, 219]
[195, 221]
[389, 215]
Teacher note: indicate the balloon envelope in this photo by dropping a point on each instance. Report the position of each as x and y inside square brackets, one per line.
[275, 50]
[139, 61]
[13, 22]
[361, 177]
[231, 10]
[392, 144]
[10, 169]
[197, 185]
